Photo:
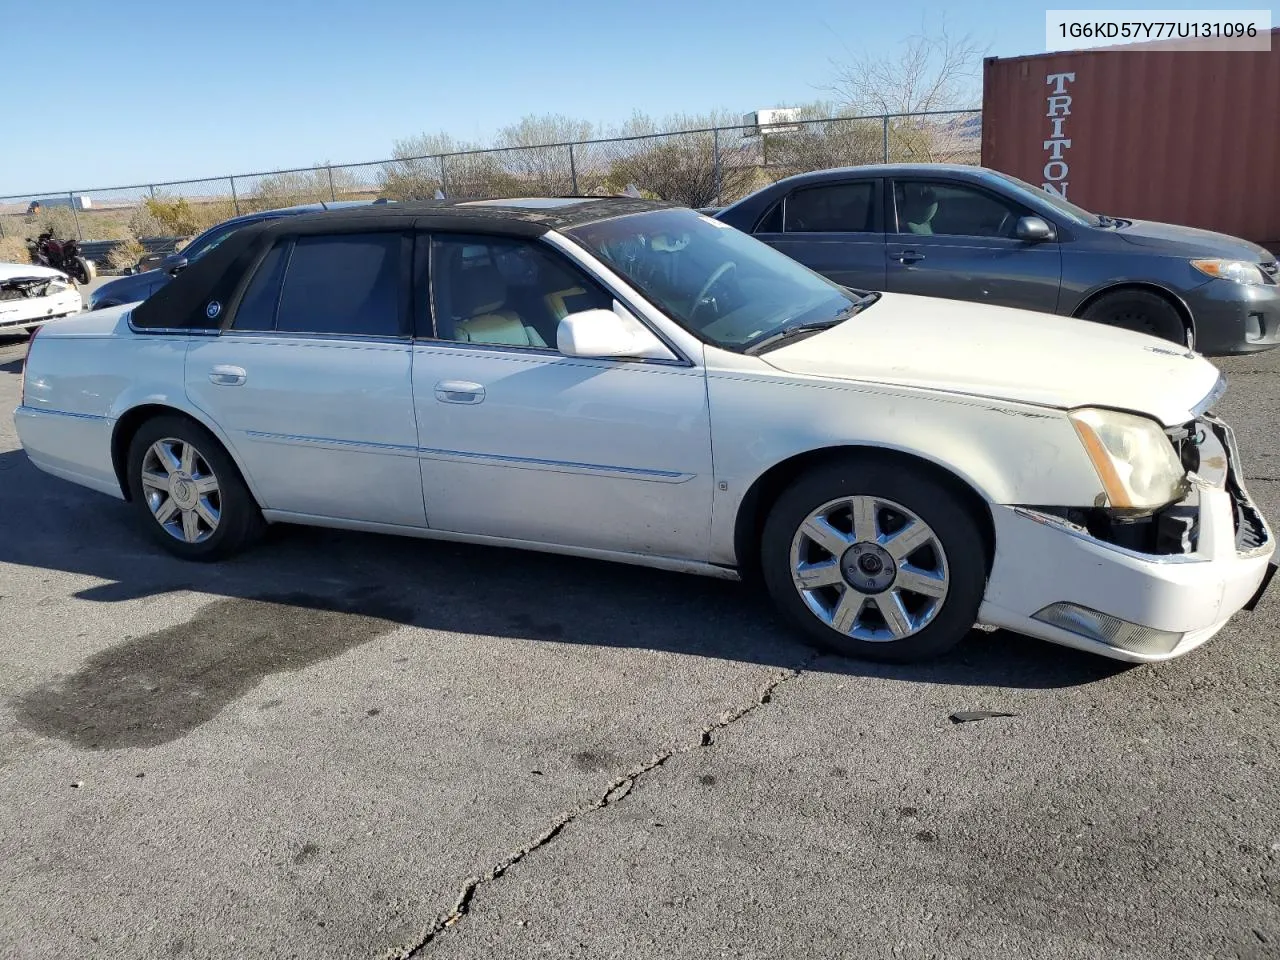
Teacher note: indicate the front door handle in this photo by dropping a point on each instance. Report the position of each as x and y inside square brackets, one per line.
[459, 391]
[225, 375]
[907, 256]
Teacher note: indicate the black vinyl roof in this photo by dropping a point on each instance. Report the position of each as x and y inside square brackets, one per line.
[199, 297]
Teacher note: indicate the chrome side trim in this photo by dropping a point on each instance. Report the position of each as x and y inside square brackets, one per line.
[26, 409]
[559, 466]
[465, 456]
[1050, 520]
[303, 440]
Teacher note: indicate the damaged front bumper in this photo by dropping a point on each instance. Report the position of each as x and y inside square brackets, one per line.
[32, 301]
[1146, 589]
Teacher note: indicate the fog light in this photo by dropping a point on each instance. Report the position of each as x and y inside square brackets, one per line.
[1107, 629]
[1253, 327]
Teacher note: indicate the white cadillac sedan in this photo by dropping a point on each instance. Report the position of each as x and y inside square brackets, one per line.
[31, 295]
[630, 381]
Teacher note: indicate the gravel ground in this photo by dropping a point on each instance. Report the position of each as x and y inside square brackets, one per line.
[355, 746]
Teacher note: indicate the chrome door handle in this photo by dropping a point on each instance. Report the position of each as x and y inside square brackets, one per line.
[907, 256]
[459, 391]
[225, 375]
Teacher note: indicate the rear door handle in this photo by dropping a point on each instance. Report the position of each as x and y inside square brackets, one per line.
[907, 256]
[459, 391]
[225, 375]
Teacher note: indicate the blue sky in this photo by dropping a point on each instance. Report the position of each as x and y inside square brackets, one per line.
[138, 90]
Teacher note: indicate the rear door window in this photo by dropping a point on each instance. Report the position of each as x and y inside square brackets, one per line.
[343, 284]
[832, 208]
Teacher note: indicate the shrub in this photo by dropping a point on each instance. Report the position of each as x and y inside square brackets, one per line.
[13, 250]
[144, 223]
[59, 221]
[125, 254]
[174, 215]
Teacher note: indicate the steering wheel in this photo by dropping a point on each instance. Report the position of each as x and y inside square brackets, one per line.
[716, 276]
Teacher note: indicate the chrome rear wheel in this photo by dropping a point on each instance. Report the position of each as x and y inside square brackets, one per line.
[182, 490]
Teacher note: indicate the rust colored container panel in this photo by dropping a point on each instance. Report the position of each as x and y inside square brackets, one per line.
[1183, 137]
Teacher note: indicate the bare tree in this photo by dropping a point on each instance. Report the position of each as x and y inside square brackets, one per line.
[823, 138]
[693, 165]
[534, 152]
[930, 71]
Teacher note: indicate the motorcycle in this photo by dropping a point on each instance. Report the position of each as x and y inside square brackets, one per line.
[62, 255]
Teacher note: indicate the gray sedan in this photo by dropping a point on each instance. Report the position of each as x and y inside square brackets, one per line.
[970, 233]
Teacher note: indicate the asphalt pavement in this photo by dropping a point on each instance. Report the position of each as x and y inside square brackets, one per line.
[344, 745]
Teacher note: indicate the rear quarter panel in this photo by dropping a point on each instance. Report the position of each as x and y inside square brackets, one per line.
[81, 377]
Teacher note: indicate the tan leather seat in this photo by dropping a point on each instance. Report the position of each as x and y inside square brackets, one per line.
[479, 297]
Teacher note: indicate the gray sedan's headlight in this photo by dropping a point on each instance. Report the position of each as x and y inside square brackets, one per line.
[1241, 271]
[1136, 463]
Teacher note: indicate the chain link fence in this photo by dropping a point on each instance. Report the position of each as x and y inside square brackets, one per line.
[698, 168]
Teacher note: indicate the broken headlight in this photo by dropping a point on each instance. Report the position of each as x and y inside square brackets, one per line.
[1138, 466]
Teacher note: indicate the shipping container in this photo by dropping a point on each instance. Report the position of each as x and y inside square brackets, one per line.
[1189, 137]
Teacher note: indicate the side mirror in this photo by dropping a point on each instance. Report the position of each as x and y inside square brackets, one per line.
[603, 333]
[1034, 229]
[174, 264]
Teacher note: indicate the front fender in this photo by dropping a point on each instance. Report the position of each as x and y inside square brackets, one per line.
[1007, 453]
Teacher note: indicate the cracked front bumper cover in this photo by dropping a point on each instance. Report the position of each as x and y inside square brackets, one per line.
[1042, 562]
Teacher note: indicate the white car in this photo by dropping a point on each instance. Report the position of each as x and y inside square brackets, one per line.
[32, 295]
[629, 381]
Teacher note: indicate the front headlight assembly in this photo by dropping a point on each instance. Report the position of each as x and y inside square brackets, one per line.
[1241, 271]
[1136, 462]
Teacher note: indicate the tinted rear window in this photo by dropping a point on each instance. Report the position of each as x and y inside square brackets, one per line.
[345, 284]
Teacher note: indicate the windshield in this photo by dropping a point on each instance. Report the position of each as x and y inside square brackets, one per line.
[722, 285]
[1064, 206]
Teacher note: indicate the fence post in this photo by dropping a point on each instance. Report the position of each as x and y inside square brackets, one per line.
[152, 188]
[573, 170]
[885, 121]
[235, 201]
[715, 154]
[444, 175]
[332, 196]
[75, 216]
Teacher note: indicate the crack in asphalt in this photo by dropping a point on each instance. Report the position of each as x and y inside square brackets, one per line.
[615, 792]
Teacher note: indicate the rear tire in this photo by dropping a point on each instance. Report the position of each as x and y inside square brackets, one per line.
[867, 591]
[1142, 312]
[188, 492]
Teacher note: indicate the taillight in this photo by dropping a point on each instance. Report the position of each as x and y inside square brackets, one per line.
[31, 342]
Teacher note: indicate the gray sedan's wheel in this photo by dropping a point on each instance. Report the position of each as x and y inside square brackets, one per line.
[1142, 312]
[875, 560]
[188, 489]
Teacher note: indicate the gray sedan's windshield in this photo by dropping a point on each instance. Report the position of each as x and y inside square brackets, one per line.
[1064, 206]
[722, 285]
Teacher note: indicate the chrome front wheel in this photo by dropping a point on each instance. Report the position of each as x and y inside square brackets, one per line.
[181, 490]
[869, 568]
[878, 558]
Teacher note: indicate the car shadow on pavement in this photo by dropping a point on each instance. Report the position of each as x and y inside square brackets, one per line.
[298, 574]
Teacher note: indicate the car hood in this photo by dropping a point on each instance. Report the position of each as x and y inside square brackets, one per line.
[10, 271]
[1004, 354]
[1192, 242]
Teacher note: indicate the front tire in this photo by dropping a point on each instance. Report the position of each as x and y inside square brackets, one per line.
[1142, 312]
[875, 560]
[188, 492]
[83, 270]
